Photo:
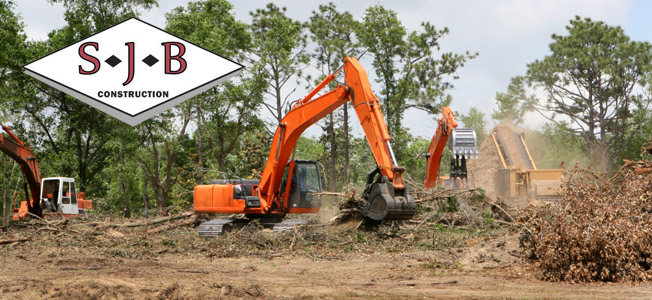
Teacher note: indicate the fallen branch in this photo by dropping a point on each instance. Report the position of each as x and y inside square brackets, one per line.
[11, 241]
[147, 223]
[504, 211]
[328, 194]
[513, 223]
[192, 220]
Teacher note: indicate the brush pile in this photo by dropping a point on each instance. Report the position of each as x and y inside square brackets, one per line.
[600, 231]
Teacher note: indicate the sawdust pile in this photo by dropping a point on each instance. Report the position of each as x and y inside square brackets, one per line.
[482, 171]
[600, 230]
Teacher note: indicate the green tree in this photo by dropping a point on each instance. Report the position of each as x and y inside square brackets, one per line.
[554, 145]
[164, 138]
[594, 77]
[71, 138]
[409, 70]
[226, 112]
[332, 32]
[415, 160]
[279, 45]
[475, 120]
[514, 103]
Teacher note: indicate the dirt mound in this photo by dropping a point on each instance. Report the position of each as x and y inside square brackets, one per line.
[482, 171]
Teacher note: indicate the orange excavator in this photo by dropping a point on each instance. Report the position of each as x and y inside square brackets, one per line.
[53, 194]
[463, 146]
[288, 186]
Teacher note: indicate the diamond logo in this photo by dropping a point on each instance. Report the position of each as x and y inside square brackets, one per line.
[104, 70]
[113, 61]
[150, 60]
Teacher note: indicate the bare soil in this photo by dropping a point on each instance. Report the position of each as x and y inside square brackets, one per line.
[78, 260]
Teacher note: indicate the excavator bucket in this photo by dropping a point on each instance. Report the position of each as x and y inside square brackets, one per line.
[463, 143]
[386, 203]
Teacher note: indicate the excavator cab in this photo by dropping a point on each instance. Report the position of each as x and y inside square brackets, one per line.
[59, 194]
[306, 181]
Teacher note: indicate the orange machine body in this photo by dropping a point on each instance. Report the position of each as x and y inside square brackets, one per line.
[217, 198]
[273, 189]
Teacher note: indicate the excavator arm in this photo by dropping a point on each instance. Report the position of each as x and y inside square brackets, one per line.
[17, 150]
[463, 145]
[387, 196]
[308, 111]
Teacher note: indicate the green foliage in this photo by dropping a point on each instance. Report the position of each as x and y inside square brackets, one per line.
[553, 144]
[362, 160]
[309, 148]
[451, 205]
[414, 159]
[360, 237]
[595, 76]
[253, 153]
[410, 73]
[513, 104]
[279, 49]
[332, 32]
[475, 120]
[212, 25]
[86, 17]
[223, 113]
[640, 138]
[488, 217]
[70, 138]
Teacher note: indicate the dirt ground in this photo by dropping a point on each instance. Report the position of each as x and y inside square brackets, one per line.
[88, 259]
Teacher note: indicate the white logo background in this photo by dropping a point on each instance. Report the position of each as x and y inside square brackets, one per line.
[204, 70]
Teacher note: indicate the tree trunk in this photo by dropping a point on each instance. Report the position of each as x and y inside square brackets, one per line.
[4, 187]
[331, 135]
[604, 157]
[4, 195]
[145, 198]
[200, 147]
[346, 144]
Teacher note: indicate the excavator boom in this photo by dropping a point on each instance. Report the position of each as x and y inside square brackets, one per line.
[266, 197]
[23, 155]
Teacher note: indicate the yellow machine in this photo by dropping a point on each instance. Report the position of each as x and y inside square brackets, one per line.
[519, 177]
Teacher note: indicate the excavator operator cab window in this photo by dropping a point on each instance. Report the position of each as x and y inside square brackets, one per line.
[305, 181]
[50, 191]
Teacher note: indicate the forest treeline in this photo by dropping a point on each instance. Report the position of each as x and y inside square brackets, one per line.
[593, 88]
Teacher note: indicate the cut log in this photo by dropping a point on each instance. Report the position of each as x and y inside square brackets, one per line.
[190, 221]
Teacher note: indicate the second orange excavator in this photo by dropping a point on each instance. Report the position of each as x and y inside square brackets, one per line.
[288, 186]
[463, 145]
[52, 194]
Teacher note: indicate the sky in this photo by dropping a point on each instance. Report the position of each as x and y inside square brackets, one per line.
[507, 34]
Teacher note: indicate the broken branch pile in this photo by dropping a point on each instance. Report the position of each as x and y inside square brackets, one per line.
[600, 231]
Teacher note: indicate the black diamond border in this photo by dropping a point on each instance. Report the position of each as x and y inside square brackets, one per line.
[151, 108]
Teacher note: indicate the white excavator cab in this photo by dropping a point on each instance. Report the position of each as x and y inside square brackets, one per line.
[60, 195]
